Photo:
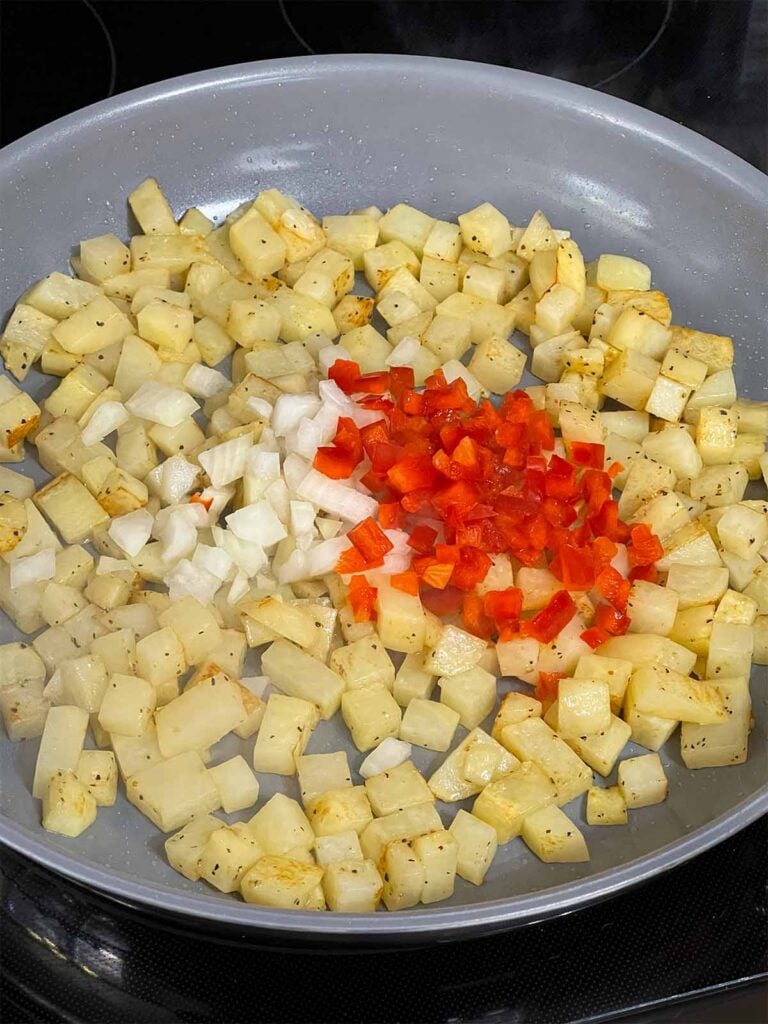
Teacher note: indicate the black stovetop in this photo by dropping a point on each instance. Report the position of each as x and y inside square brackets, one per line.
[69, 955]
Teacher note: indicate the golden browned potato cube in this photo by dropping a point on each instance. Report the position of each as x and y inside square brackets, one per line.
[281, 882]
[281, 825]
[173, 791]
[97, 770]
[553, 837]
[476, 843]
[339, 810]
[68, 807]
[352, 886]
[397, 788]
[642, 780]
[371, 714]
[606, 806]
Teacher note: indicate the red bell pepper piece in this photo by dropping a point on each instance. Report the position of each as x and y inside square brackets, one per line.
[645, 547]
[474, 619]
[594, 636]
[546, 625]
[613, 587]
[422, 538]
[407, 581]
[411, 473]
[584, 453]
[362, 599]
[611, 620]
[345, 373]
[574, 567]
[370, 540]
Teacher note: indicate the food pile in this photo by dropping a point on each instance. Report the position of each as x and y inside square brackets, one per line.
[242, 461]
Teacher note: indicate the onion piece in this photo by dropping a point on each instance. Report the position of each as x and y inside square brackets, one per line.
[389, 754]
[132, 531]
[33, 568]
[225, 462]
[205, 382]
[294, 568]
[250, 558]
[239, 588]
[188, 580]
[453, 369]
[322, 558]
[106, 418]
[335, 497]
[214, 560]
[161, 403]
[106, 566]
[290, 410]
[405, 352]
[257, 523]
[302, 517]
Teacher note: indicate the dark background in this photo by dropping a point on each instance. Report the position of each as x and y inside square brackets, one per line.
[700, 930]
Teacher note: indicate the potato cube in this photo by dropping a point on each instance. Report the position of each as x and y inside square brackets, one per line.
[505, 803]
[258, 247]
[642, 780]
[613, 671]
[396, 789]
[24, 707]
[717, 486]
[60, 603]
[285, 731]
[400, 622]
[716, 432]
[485, 318]
[371, 714]
[471, 694]
[403, 875]
[497, 364]
[351, 235]
[353, 311]
[281, 882]
[406, 824]
[665, 693]
[713, 746]
[339, 810]
[455, 651]
[730, 652]
[405, 224]
[485, 230]
[68, 807]
[97, 771]
[533, 740]
[151, 209]
[173, 791]
[429, 724]
[622, 272]
[652, 609]
[584, 707]
[412, 681]
[518, 658]
[84, 682]
[136, 752]
[71, 508]
[629, 378]
[185, 848]
[60, 746]
[438, 853]
[697, 584]
[667, 399]
[606, 806]
[742, 531]
[166, 326]
[486, 282]
[94, 327]
[553, 837]
[228, 853]
[318, 773]
[556, 310]
[160, 657]
[200, 716]
[515, 707]
[382, 262]
[281, 825]
[479, 755]
[298, 674]
[599, 750]
[352, 886]
[364, 663]
[343, 846]
[713, 349]
[237, 785]
[194, 625]
[476, 843]
[127, 706]
[448, 337]
[440, 278]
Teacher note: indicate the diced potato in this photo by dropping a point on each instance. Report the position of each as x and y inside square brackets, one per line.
[518, 658]
[443, 241]
[318, 773]
[450, 782]
[485, 230]
[718, 486]
[281, 882]
[613, 671]
[553, 837]
[396, 789]
[652, 609]
[642, 780]
[622, 272]
[742, 531]
[505, 803]
[629, 378]
[368, 348]
[285, 731]
[664, 693]
[428, 724]
[71, 508]
[606, 806]
[344, 846]
[730, 651]
[237, 785]
[84, 682]
[339, 810]
[438, 854]
[412, 681]
[60, 746]
[714, 746]
[173, 791]
[94, 327]
[184, 849]
[455, 651]
[160, 657]
[400, 620]
[476, 846]
[538, 235]
[351, 235]
[471, 694]
[485, 318]
[650, 731]
[364, 663]
[533, 740]
[693, 627]
[353, 311]
[403, 875]
[281, 825]
[690, 545]
[228, 853]
[254, 242]
[68, 807]
[497, 364]
[300, 675]
[697, 584]
[599, 750]
[714, 350]
[515, 707]
[371, 714]
[406, 824]
[97, 771]
[136, 752]
[584, 707]
[352, 886]
[194, 625]
[151, 209]
[200, 716]
[24, 706]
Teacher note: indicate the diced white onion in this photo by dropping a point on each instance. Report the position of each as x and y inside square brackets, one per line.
[328, 355]
[226, 462]
[248, 557]
[33, 568]
[261, 407]
[257, 524]
[328, 528]
[294, 568]
[205, 382]
[214, 560]
[289, 410]
[279, 497]
[453, 369]
[322, 558]
[177, 533]
[188, 580]
[239, 588]
[161, 403]
[295, 470]
[620, 561]
[132, 531]
[389, 754]
[178, 478]
[404, 353]
[334, 497]
[302, 517]
[106, 418]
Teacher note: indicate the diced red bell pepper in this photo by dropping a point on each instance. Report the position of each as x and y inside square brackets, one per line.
[198, 499]
[584, 453]
[503, 605]
[574, 567]
[376, 403]
[474, 619]
[596, 488]
[335, 463]
[648, 573]
[594, 636]
[407, 581]
[560, 481]
[472, 568]
[603, 552]
[422, 538]
[412, 403]
[390, 515]
[606, 523]
[456, 501]
[645, 548]
[614, 469]
[370, 540]
[351, 561]
[348, 437]
[441, 602]
[611, 620]
[613, 587]
[374, 433]
[547, 686]
[345, 374]
[411, 473]
[438, 574]
[401, 379]
[373, 383]
[362, 599]
[546, 625]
